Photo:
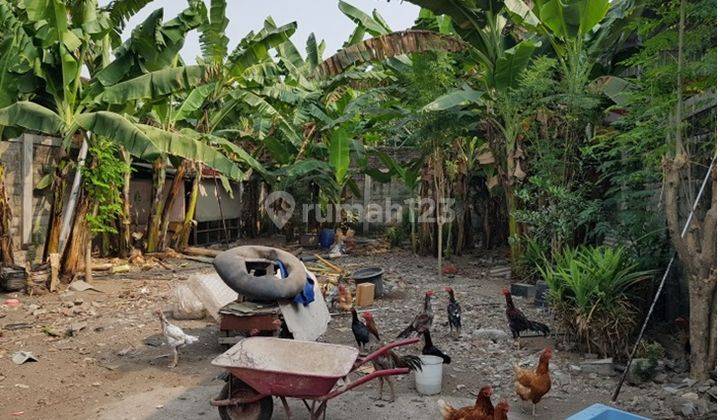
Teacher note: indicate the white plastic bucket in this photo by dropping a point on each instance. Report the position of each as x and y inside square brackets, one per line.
[428, 381]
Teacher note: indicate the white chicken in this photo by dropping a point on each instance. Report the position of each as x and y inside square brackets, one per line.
[175, 336]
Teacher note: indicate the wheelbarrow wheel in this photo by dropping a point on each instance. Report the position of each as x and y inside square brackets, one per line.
[259, 410]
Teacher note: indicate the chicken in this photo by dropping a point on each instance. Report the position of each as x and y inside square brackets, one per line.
[454, 312]
[430, 350]
[360, 331]
[344, 299]
[422, 321]
[517, 320]
[370, 324]
[482, 410]
[175, 336]
[532, 385]
[392, 360]
[449, 269]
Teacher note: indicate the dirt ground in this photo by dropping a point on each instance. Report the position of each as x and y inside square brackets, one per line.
[113, 367]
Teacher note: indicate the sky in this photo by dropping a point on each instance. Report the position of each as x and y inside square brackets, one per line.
[319, 16]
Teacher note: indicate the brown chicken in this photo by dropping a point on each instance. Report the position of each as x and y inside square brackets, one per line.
[422, 321]
[370, 324]
[532, 385]
[479, 411]
[344, 299]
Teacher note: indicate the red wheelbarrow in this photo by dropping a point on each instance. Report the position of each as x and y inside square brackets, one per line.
[266, 367]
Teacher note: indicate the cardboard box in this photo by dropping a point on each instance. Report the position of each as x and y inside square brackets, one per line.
[365, 294]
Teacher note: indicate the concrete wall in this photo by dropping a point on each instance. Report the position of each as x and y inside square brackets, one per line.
[30, 219]
[207, 205]
[141, 199]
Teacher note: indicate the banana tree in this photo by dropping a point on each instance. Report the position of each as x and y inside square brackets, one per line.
[58, 41]
[409, 174]
[500, 61]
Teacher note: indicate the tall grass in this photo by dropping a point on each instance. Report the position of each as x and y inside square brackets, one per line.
[591, 290]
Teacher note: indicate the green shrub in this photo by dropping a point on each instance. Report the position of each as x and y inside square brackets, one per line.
[534, 256]
[591, 290]
[395, 235]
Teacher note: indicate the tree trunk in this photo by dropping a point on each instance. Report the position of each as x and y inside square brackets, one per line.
[184, 236]
[697, 250]
[78, 239]
[170, 201]
[58, 187]
[250, 207]
[125, 237]
[513, 226]
[413, 234]
[6, 248]
[702, 326]
[156, 207]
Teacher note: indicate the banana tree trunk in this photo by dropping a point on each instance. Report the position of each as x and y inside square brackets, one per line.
[184, 237]
[156, 207]
[125, 240]
[170, 201]
[513, 226]
[58, 187]
[79, 238]
[6, 249]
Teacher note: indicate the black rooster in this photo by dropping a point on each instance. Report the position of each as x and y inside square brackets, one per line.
[360, 331]
[517, 320]
[454, 312]
[430, 350]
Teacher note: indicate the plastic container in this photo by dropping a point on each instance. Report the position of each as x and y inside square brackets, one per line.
[370, 275]
[326, 238]
[428, 381]
[603, 412]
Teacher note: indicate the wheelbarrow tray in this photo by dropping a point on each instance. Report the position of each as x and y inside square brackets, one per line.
[288, 368]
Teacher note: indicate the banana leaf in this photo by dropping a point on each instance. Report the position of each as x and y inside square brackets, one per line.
[188, 148]
[120, 130]
[31, 116]
[157, 84]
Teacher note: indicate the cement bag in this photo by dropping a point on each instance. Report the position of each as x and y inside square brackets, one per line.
[186, 304]
[241, 269]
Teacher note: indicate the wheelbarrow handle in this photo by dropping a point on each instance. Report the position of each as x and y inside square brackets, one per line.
[362, 380]
[384, 349]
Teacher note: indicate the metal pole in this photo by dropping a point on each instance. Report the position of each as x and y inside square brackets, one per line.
[662, 282]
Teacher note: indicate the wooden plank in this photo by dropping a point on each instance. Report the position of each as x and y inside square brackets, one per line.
[54, 271]
[27, 190]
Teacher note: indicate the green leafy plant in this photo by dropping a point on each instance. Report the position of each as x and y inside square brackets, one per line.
[555, 214]
[102, 182]
[591, 290]
[395, 235]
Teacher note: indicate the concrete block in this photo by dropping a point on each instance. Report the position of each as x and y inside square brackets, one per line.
[523, 290]
[601, 367]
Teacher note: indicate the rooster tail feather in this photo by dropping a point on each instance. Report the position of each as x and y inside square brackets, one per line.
[411, 362]
[539, 327]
